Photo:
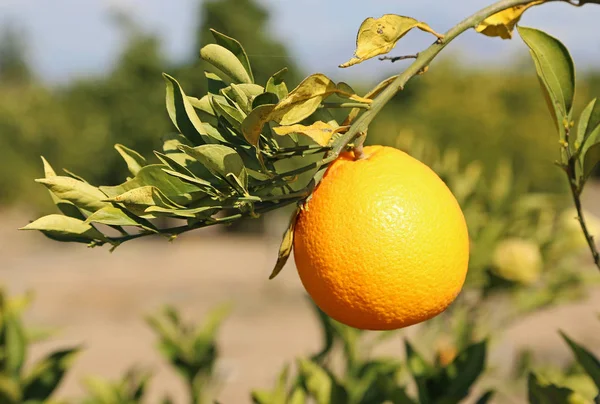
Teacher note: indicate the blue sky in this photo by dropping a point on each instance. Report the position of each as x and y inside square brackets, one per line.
[75, 38]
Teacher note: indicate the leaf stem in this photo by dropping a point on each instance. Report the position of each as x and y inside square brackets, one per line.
[576, 189]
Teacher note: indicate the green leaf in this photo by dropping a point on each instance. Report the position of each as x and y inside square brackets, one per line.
[236, 48]
[64, 228]
[236, 96]
[10, 390]
[80, 194]
[546, 394]
[253, 124]
[66, 207]
[182, 112]
[220, 160]
[101, 390]
[466, 369]
[133, 159]
[298, 396]
[144, 197]
[276, 85]
[588, 129]
[154, 175]
[15, 345]
[285, 249]
[116, 216]
[586, 359]
[590, 160]
[320, 383]
[47, 374]
[227, 62]
[555, 69]
[229, 113]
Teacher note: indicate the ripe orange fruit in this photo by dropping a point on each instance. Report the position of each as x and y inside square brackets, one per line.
[382, 244]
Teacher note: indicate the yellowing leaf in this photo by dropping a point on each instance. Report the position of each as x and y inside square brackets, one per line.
[299, 104]
[303, 100]
[377, 36]
[502, 24]
[319, 131]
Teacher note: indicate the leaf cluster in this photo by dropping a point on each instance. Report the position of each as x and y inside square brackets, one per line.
[241, 150]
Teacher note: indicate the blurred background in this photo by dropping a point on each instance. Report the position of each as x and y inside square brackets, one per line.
[77, 77]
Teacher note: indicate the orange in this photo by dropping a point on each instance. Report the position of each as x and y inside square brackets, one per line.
[382, 243]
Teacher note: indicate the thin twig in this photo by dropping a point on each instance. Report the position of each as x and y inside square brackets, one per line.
[397, 58]
[576, 188]
[345, 105]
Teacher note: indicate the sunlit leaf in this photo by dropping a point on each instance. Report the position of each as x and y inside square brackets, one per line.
[236, 48]
[64, 228]
[588, 126]
[227, 62]
[591, 158]
[154, 175]
[555, 70]
[287, 243]
[377, 36]
[145, 196]
[66, 207]
[182, 113]
[503, 23]
[220, 160]
[10, 390]
[115, 216]
[254, 122]
[133, 159]
[319, 131]
[80, 194]
[303, 100]
[276, 85]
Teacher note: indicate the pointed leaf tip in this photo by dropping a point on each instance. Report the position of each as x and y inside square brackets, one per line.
[378, 36]
[287, 244]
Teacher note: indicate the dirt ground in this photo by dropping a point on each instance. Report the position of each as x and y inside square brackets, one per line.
[98, 300]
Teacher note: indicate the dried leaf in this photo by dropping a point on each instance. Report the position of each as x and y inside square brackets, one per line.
[319, 131]
[287, 243]
[502, 24]
[377, 36]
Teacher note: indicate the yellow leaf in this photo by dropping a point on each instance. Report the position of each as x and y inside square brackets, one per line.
[502, 24]
[299, 104]
[377, 36]
[319, 131]
[303, 100]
